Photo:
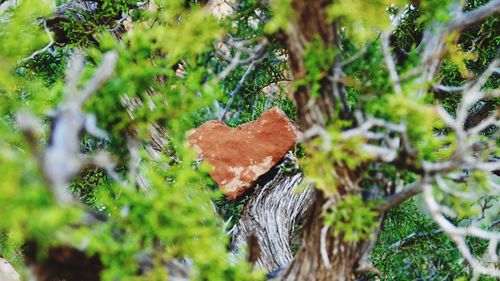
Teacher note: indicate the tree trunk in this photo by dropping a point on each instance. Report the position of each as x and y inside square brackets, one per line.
[310, 23]
[324, 256]
[271, 215]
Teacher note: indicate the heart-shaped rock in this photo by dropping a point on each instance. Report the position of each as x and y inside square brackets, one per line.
[240, 155]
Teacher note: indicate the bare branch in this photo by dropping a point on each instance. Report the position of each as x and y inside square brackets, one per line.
[459, 234]
[434, 40]
[356, 56]
[391, 66]
[449, 89]
[396, 199]
[31, 128]
[272, 214]
[233, 94]
[315, 131]
[474, 16]
[102, 74]
[465, 158]
[7, 271]
[62, 159]
[414, 237]
[323, 250]
[256, 54]
[44, 49]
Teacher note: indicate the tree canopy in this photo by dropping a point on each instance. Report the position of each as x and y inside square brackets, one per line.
[396, 175]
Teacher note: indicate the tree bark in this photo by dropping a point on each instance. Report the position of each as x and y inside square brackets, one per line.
[339, 260]
[271, 215]
[323, 255]
[309, 23]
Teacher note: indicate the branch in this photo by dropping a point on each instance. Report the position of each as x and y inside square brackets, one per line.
[356, 56]
[391, 66]
[459, 235]
[101, 75]
[467, 156]
[435, 37]
[34, 54]
[7, 271]
[448, 89]
[254, 55]
[480, 114]
[271, 214]
[232, 95]
[398, 198]
[413, 238]
[62, 159]
[475, 16]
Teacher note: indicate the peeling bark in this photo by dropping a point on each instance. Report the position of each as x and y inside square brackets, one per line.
[272, 214]
[323, 255]
[309, 22]
[340, 259]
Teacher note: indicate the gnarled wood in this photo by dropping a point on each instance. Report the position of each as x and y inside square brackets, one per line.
[322, 256]
[325, 256]
[309, 22]
[272, 214]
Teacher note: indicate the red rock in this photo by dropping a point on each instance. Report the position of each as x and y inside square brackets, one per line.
[240, 155]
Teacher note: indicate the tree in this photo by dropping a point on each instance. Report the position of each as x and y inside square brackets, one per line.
[395, 100]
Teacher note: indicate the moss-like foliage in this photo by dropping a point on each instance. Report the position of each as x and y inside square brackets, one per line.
[179, 213]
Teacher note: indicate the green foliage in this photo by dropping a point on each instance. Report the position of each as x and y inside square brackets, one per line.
[327, 153]
[408, 33]
[262, 103]
[411, 248]
[48, 67]
[144, 221]
[34, 200]
[87, 185]
[436, 10]
[199, 23]
[480, 44]
[480, 206]
[352, 217]
[282, 12]
[174, 216]
[318, 59]
[81, 26]
[363, 20]
[138, 223]
[20, 37]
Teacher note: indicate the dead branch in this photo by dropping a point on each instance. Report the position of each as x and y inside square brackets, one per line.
[465, 157]
[474, 16]
[413, 237]
[434, 40]
[61, 160]
[44, 49]
[233, 93]
[272, 214]
[391, 66]
[7, 272]
[398, 198]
